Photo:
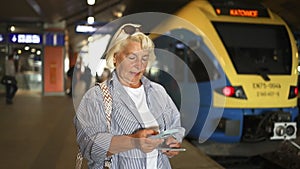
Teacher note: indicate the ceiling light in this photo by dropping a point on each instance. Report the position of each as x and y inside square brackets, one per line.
[12, 28]
[91, 2]
[90, 20]
[26, 47]
[90, 39]
[118, 14]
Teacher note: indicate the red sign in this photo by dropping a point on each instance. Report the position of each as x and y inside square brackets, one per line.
[243, 12]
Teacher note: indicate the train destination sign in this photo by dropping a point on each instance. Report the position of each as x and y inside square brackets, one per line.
[238, 8]
[243, 12]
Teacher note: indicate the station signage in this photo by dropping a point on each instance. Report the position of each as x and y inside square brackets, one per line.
[54, 39]
[24, 38]
[97, 28]
[2, 39]
[85, 29]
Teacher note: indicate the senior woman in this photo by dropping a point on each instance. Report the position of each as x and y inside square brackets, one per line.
[140, 109]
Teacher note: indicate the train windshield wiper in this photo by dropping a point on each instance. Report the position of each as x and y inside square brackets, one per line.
[264, 74]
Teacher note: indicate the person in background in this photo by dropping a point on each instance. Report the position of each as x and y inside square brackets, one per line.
[11, 82]
[106, 74]
[87, 77]
[140, 108]
[70, 77]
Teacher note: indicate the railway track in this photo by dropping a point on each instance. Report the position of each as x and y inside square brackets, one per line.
[284, 156]
[255, 162]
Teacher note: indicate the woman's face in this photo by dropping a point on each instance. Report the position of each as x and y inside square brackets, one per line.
[131, 63]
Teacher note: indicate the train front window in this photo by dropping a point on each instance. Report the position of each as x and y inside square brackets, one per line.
[257, 49]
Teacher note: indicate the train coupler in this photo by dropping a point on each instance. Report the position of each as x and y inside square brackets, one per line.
[284, 131]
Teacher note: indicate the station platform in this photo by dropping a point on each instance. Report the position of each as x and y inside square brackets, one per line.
[37, 132]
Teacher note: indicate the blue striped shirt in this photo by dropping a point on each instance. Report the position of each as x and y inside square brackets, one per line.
[91, 126]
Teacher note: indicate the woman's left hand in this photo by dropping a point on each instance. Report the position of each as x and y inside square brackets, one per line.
[171, 142]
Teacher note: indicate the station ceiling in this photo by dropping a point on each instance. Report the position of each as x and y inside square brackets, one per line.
[72, 11]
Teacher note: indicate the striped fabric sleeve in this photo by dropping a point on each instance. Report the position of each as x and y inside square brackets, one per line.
[91, 127]
[175, 122]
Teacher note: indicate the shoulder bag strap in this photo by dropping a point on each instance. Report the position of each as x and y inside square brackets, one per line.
[107, 100]
[78, 161]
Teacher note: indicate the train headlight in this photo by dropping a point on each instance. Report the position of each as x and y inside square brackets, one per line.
[293, 92]
[239, 92]
[232, 91]
[284, 131]
[228, 91]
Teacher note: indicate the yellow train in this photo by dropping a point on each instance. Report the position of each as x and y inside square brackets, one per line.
[243, 58]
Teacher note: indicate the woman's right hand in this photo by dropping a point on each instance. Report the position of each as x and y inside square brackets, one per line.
[145, 144]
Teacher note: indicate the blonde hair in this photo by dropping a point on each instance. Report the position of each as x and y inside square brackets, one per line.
[121, 39]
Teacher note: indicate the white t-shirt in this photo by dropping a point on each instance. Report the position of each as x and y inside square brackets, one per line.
[138, 96]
